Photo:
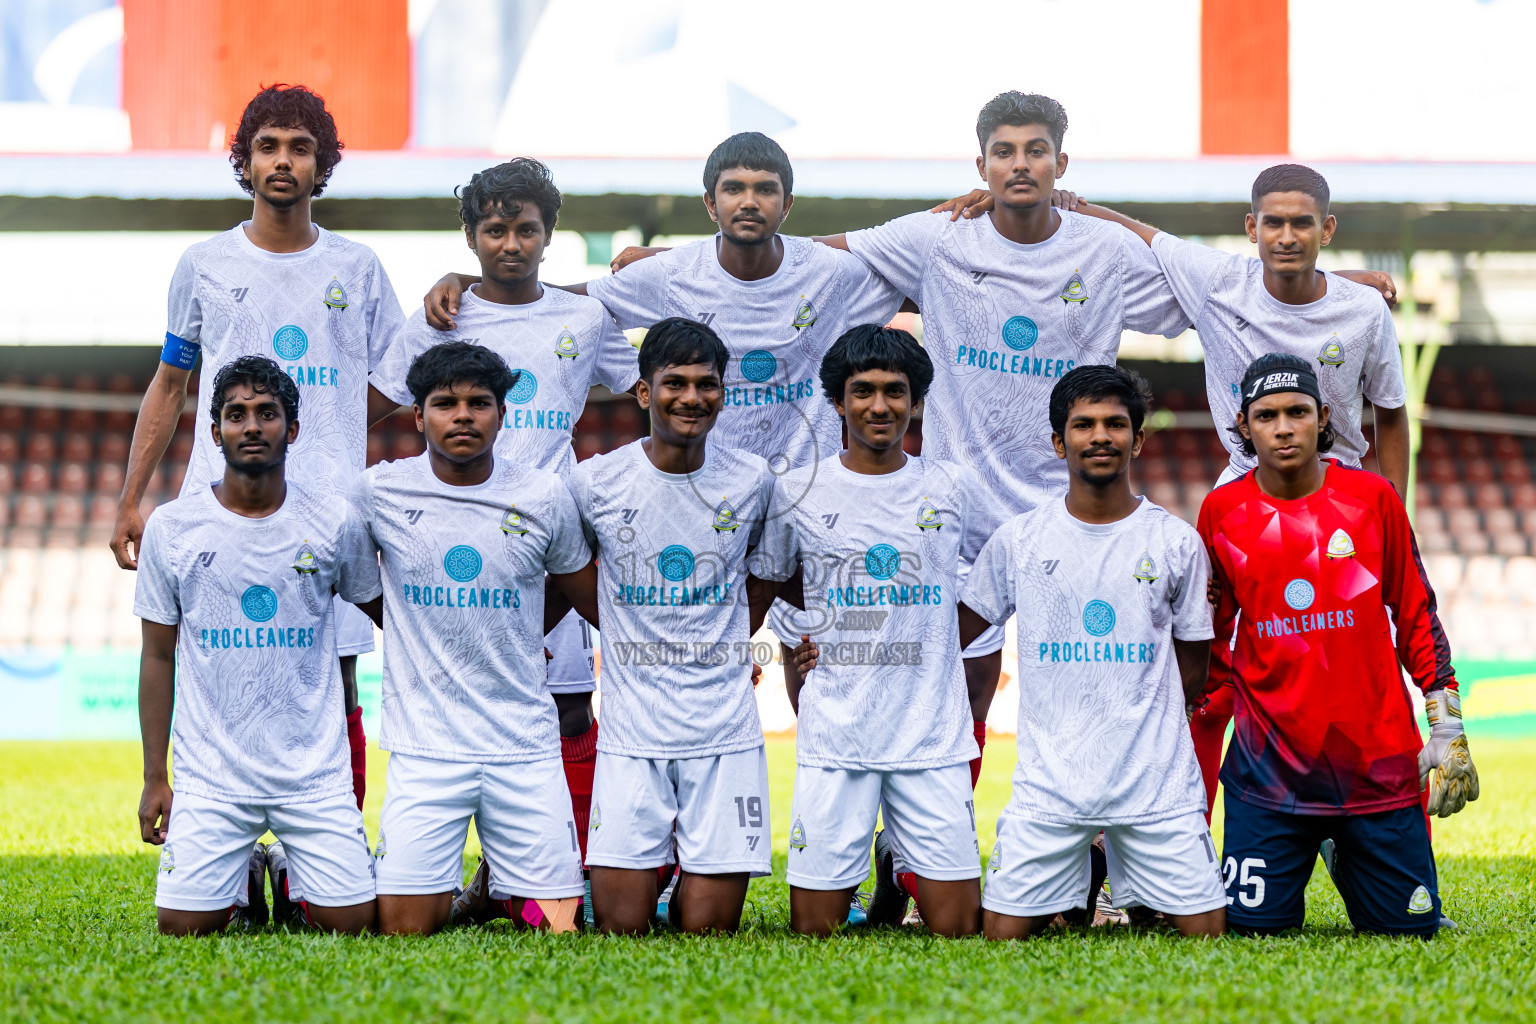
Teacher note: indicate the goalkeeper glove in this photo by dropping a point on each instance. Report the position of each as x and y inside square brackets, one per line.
[1445, 763]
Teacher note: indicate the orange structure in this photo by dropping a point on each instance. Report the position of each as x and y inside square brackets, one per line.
[190, 66]
[1245, 80]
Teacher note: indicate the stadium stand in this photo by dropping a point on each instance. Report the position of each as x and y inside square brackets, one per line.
[61, 470]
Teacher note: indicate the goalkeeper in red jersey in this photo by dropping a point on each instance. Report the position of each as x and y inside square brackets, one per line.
[1316, 564]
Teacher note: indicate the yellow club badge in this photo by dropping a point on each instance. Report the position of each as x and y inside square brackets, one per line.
[1075, 291]
[1146, 569]
[805, 314]
[565, 345]
[304, 562]
[336, 295]
[1341, 545]
[725, 517]
[928, 516]
[512, 523]
[797, 836]
[1332, 352]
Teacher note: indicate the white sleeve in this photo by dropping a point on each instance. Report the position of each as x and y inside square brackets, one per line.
[983, 516]
[384, 315]
[989, 589]
[1187, 588]
[1189, 268]
[1384, 384]
[899, 250]
[618, 362]
[413, 338]
[636, 295]
[868, 297]
[579, 483]
[568, 549]
[357, 561]
[1151, 306]
[184, 313]
[778, 552]
[156, 590]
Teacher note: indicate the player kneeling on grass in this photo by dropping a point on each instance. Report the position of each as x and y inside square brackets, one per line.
[878, 538]
[235, 584]
[472, 729]
[1110, 591]
[1309, 557]
[673, 519]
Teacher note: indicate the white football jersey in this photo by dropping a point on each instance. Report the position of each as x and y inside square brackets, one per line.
[562, 344]
[1102, 735]
[777, 330]
[258, 687]
[1003, 321]
[463, 568]
[326, 315]
[672, 568]
[1349, 331]
[881, 559]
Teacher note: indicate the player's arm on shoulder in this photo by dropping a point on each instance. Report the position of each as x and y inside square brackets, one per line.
[979, 201]
[157, 696]
[152, 432]
[632, 253]
[1377, 279]
[442, 300]
[1143, 231]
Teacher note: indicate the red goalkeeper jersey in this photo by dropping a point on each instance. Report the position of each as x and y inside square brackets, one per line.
[1323, 722]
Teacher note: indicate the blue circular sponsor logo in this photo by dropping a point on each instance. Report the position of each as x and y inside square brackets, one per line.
[259, 603]
[675, 563]
[1300, 595]
[882, 561]
[1020, 333]
[526, 387]
[759, 365]
[1098, 617]
[462, 563]
[290, 342]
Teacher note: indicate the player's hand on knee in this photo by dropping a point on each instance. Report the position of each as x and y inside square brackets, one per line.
[1445, 763]
[970, 206]
[805, 655]
[155, 812]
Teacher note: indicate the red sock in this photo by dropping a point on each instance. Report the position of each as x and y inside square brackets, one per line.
[580, 756]
[359, 746]
[981, 748]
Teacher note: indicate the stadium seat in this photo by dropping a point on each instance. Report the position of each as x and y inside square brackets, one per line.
[1520, 581]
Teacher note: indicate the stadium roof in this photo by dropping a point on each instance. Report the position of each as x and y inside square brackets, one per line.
[1381, 206]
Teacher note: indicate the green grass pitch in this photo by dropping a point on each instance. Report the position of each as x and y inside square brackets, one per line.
[77, 939]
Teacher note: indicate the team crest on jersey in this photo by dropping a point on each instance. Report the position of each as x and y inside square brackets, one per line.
[928, 516]
[797, 836]
[805, 314]
[336, 295]
[512, 522]
[1332, 352]
[565, 345]
[995, 862]
[378, 851]
[1420, 902]
[168, 860]
[595, 819]
[304, 562]
[1146, 569]
[725, 517]
[1075, 291]
[1341, 545]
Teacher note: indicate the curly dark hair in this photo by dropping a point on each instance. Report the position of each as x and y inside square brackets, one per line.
[262, 376]
[458, 362]
[1017, 108]
[287, 106]
[872, 347]
[504, 189]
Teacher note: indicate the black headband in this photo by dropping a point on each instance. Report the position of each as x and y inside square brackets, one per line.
[1271, 381]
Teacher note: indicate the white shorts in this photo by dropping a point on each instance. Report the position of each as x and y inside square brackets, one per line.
[719, 805]
[354, 629]
[929, 814]
[1040, 867]
[522, 813]
[572, 641]
[208, 848]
